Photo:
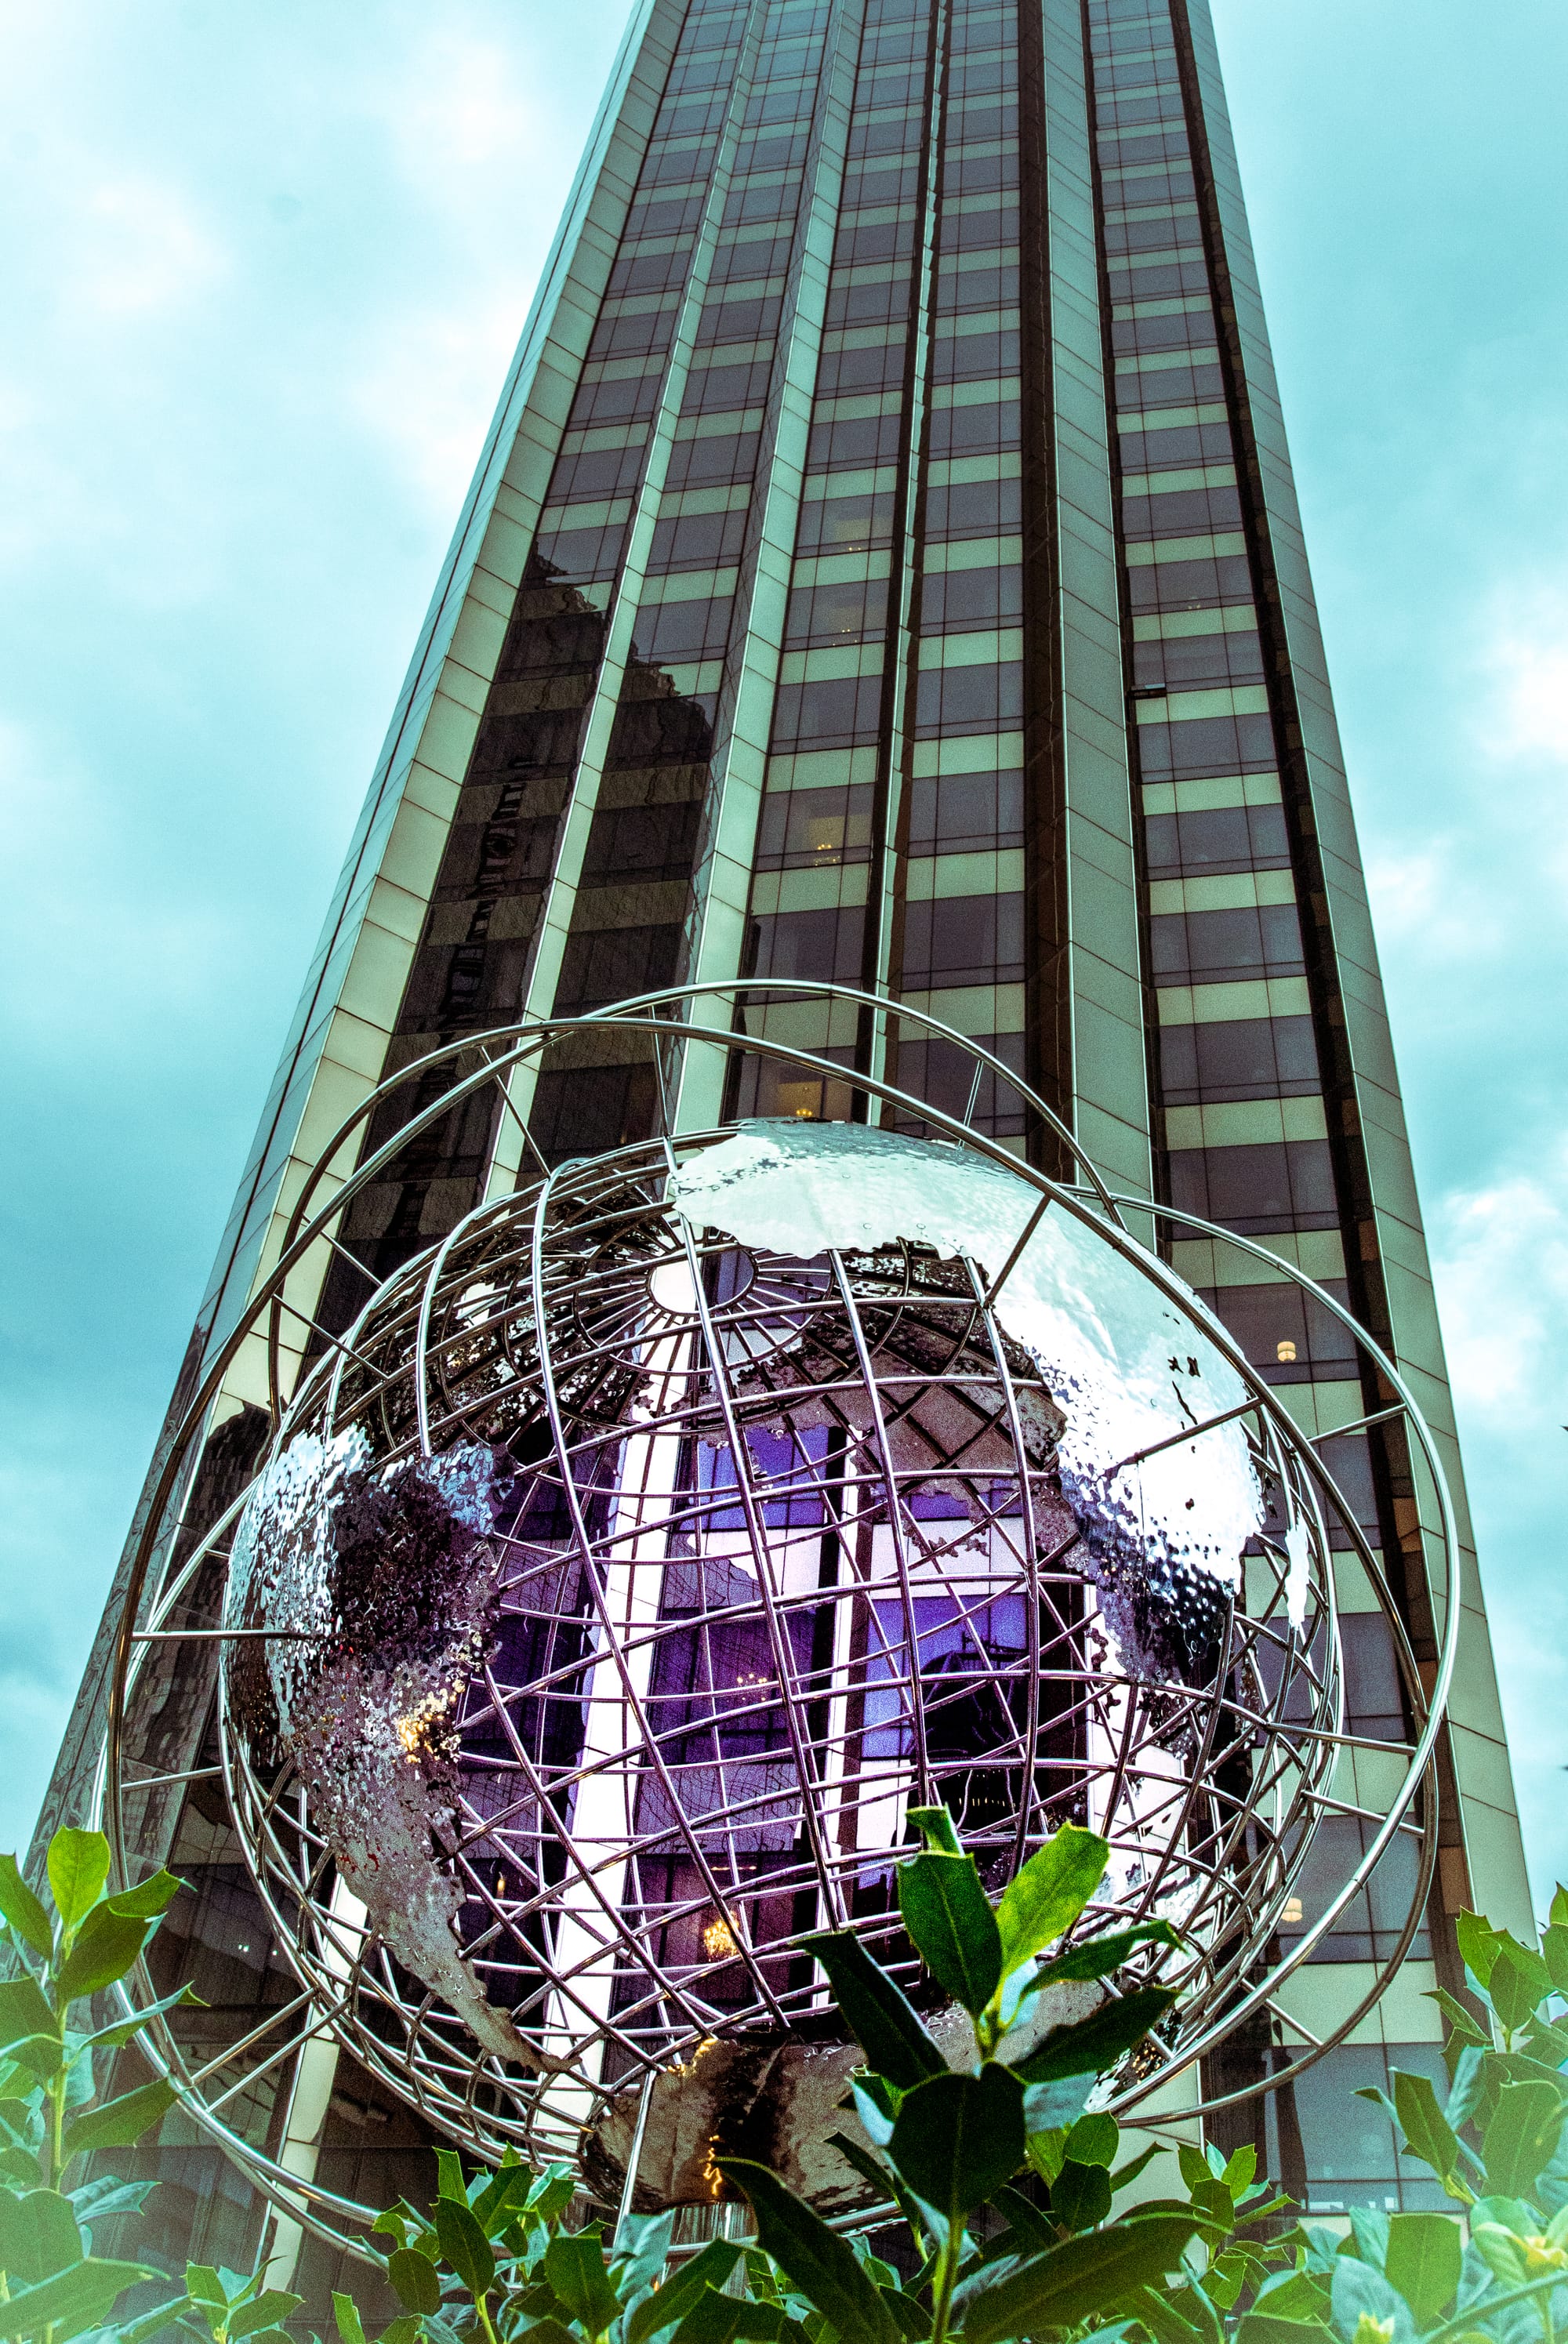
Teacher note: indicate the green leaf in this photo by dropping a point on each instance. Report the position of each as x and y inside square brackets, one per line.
[1056, 2106]
[1261, 2327]
[575, 2269]
[669, 2303]
[937, 1828]
[641, 2249]
[82, 2297]
[1478, 1944]
[150, 1899]
[1097, 2042]
[960, 2137]
[107, 1945]
[1426, 2132]
[78, 1870]
[463, 2244]
[508, 2189]
[1555, 1949]
[948, 1916]
[1045, 1897]
[1359, 2292]
[121, 2031]
[876, 2104]
[116, 2122]
[267, 2311]
[414, 2278]
[1080, 2195]
[815, 2260]
[38, 2235]
[1093, 2140]
[1501, 2251]
[1031, 2231]
[1424, 2254]
[449, 2180]
[1519, 1980]
[148, 2324]
[24, 1911]
[24, 2010]
[404, 2329]
[1081, 2279]
[885, 2182]
[1165, 2323]
[553, 2193]
[1096, 1957]
[714, 2318]
[203, 2283]
[1124, 2175]
[93, 2201]
[41, 2055]
[877, 2011]
[1293, 2295]
[1464, 2024]
[1521, 2138]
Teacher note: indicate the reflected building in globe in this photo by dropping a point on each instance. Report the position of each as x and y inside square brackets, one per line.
[883, 567]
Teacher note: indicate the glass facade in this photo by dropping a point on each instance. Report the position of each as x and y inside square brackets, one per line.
[885, 567]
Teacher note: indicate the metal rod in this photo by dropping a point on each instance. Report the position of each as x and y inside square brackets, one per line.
[1024, 1234]
[634, 2158]
[229, 1636]
[1174, 1440]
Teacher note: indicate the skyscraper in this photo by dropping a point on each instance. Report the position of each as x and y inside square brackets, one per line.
[885, 566]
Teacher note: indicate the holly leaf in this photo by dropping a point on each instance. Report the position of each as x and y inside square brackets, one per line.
[115, 2124]
[72, 2299]
[38, 2235]
[463, 2244]
[267, 2311]
[1478, 1944]
[1428, 2134]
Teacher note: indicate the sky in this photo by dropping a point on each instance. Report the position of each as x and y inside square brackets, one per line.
[263, 267]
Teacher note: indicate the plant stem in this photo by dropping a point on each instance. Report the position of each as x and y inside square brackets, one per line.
[482, 2305]
[946, 2277]
[1477, 2312]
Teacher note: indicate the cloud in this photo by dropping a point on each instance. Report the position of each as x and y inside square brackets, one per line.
[1500, 1262]
[1501, 1257]
[135, 248]
[264, 270]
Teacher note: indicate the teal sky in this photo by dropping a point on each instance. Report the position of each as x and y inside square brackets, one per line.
[263, 269]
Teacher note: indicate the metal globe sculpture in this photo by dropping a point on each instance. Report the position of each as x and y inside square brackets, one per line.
[644, 1549]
